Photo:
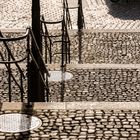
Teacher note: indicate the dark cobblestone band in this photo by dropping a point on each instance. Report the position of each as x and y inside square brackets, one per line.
[119, 83]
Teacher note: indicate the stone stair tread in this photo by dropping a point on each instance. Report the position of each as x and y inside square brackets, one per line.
[76, 120]
[97, 82]
[97, 65]
[72, 105]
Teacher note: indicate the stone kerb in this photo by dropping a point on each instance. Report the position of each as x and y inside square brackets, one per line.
[73, 106]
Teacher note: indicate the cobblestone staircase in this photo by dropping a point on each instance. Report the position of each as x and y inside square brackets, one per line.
[105, 68]
[101, 99]
[98, 82]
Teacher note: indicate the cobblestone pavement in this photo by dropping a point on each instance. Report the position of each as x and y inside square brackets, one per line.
[81, 124]
[18, 48]
[107, 46]
[102, 82]
[98, 83]
[91, 84]
[99, 14]
[102, 47]
[107, 15]
[15, 91]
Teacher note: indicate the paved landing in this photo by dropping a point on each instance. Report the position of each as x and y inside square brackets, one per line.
[98, 14]
[89, 82]
[97, 82]
[79, 121]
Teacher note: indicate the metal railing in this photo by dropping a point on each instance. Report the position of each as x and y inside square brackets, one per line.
[50, 40]
[63, 38]
[80, 18]
[66, 13]
[8, 66]
[29, 56]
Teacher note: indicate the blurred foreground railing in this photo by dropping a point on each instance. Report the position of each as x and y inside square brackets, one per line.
[11, 60]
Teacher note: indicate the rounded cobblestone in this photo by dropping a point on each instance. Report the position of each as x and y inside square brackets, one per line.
[74, 131]
[104, 78]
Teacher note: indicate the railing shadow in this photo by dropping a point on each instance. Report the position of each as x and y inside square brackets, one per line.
[124, 9]
[80, 45]
[28, 110]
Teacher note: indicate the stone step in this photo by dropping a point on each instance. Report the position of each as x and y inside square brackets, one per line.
[92, 46]
[97, 82]
[85, 120]
[86, 82]
[110, 71]
[106, 46]
[106, 106]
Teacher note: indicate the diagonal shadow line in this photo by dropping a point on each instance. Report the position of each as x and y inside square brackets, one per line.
[0, 106]
[80, 45]
[62, 83]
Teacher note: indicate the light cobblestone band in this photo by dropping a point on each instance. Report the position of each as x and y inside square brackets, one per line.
[74, 106]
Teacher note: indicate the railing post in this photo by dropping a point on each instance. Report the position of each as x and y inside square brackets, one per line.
[36, 86]
[81, 25]
[28, 71]
[80, 15]
[9, 76]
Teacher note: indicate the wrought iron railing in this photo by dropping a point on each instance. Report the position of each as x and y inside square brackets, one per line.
[62, 38]
[11, 59]
[80, 18]
[65, 39]
[66, 14]
[29, 57]
[81, 21]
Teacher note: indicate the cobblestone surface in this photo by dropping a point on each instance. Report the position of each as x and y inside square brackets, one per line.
[81, 125]
[21, 12]
[98, 84]
[15, 91]
[101, 47]
[107, 15]
[110, 47]
[87, 84]
[18, 48]
[97, 47]
[98, 14]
